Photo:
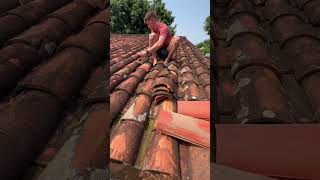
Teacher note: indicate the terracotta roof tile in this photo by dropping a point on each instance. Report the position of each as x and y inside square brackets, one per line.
[190, 129]
[17, 20]
[202, 109]
[271, 49]
[57, 68]
[95, 78]
[47, 78]
[66, 19]
[266, 56]
[225, 90]
[89, 119]
[7, 5]
[91, 151]
[140, 92]
[23, 123]
[194, 161]
[40, 41]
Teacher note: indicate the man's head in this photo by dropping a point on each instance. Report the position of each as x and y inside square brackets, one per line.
[151, 19]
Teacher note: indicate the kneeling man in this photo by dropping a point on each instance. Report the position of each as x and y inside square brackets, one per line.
[161, 43]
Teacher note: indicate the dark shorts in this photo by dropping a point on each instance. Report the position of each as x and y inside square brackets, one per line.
[162, 53]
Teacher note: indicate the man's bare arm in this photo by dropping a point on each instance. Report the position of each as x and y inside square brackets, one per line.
[154, 48]
[158, 44]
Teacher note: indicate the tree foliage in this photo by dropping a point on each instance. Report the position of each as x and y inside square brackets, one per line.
[206, 26]
[127, 15]
[204, 46]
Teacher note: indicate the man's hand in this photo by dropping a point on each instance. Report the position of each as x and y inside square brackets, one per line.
[142, 53]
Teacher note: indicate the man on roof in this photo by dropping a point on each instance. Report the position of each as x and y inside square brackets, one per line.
[161, 43]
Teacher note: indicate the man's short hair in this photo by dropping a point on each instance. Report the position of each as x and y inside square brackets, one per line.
[150, 15]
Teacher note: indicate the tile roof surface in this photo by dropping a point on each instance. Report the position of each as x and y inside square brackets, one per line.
[138, 92]
[266, 53]
[266, 56]
[53, 89]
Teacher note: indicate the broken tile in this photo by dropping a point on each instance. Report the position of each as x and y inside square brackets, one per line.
[183, 127]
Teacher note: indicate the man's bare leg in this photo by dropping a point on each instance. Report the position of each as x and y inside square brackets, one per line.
[153, 38]
[173, 45]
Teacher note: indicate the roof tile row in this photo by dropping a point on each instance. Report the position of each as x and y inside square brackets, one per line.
[53, 86]
[266, 53]
[40, 42]
[138, 97]
[19, 19]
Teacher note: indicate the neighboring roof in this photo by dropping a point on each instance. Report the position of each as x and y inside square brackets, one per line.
[49, 51]
[266, 55]
[138, 92]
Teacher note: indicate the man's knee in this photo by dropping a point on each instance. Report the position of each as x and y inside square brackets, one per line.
[176, 38]
[152, 36]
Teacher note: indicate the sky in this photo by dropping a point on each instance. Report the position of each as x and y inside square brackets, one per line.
[189, 17]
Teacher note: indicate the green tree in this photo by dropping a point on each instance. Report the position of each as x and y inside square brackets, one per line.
[205, 45]
[206, 26]
[127, 15]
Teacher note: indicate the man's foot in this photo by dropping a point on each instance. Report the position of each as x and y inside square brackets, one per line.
[155, 61]
[166, 62]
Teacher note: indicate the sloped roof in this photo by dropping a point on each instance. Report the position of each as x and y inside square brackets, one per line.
[49, 50]
[137, 92]
[266, 54]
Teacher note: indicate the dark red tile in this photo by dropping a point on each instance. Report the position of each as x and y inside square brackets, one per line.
[93, 39]
[223, 56]
[238, 7]
[300, 3]
[90, 152]
[28, 14]
[225, 91]
[298, 101]
[58, 25]
[102, 4]
[311, 88]
[74, 14]
[96, 76]
[99, 94]
[6, 5]
[259, 97]
[312, 11]
[62, 76]
[18, 120]
[194, 162]
[10, 26]
[281, 39]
